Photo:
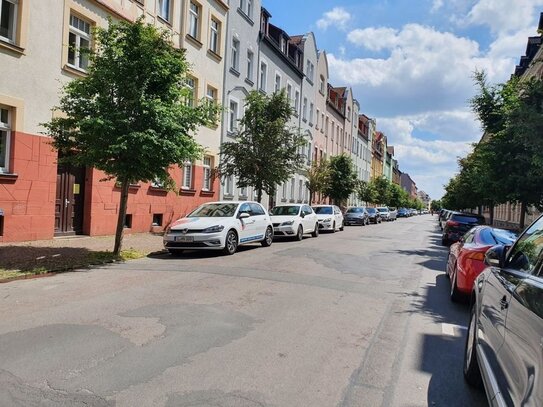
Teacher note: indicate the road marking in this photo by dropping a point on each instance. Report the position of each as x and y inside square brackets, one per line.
[452, 330]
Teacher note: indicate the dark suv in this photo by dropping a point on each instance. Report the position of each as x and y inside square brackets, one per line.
[505, 334]
[458, 224]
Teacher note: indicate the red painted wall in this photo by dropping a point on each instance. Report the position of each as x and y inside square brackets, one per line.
[28, 201]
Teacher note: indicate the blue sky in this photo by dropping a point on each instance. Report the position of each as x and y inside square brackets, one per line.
[410, 65]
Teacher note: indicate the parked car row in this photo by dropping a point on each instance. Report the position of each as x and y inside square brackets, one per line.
[502, 277]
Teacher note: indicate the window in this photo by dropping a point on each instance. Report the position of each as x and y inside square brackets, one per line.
[321, 84]
[243, 192]
[304, 109]
[187, 176]
[527, 250]
[211, 94]
[214, 36]
[190, 82]
[263, 76]
[300, 190]
[194, 20]
[250, 8]
[8, 19]
[297, 101]
[349, 113]
[233, 117]
[277, 82]
[5, 138]
[157, 219]
[289, 93]
[78, 43]
[284, 193]
[283, 45]
[164, 9]
[207, 174]
[250, 64]
[310, 113]
[292, 186]
[310, 71]
[317, 122]
[229, 185]
[235, 54]
[322, 123]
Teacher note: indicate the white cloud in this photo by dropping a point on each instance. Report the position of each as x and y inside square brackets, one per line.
[504, 16]
[338, 17]
[436, 6]
[374, 39]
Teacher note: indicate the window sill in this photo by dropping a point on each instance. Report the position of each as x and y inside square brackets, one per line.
[75, 71]
[187, 192]
[283, 199]
[228, 197]
[8, 177]
[232, 134]
[234, 71]
[246, 17]
[243, 197]
[164, 20]
[263, 91]
[304, 120]
[131, 186]
[158, 189]
[214, 55]
[309, 80]
[249, 82]
[11, 47]
[194, 41]
[203, 192]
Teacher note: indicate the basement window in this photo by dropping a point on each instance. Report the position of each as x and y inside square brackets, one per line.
[128, 222]
[157, 219]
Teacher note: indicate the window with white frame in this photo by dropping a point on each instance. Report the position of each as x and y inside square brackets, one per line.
[5, 138]
[190, 83]
[300, 190]
[277, 87]
[79, 39]
[310, 70]
[235, 54]
[164, 9]
[310, 113]
[318, 116]
[321, 84]
[296, 101]
[263, 76]
[233, 116]
[292, 186]
[304, 109]
[250, 65]
[243, 192]
[250, 8]
[229, 185]
[284, 193]
[207, 174]
[214, 35]
[322, 123]
[187, 175]
[289, 93]
[194, 20]
[211, 94]
[8, 19]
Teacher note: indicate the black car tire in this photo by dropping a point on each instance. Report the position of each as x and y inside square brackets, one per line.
[472, 373]
[231, 243]
[334, 228]
[342, 227]
[316, 231]
[456, 296]
[447, 266]
[300, 233]
[444, 241]
[176, 253]
[268, 238]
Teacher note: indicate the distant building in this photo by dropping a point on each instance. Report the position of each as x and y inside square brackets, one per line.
[408, 185]
[425, 198]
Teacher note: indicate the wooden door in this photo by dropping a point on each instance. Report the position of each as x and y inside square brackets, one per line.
[69, 201]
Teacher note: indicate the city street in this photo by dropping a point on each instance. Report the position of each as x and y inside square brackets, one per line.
[356, 318]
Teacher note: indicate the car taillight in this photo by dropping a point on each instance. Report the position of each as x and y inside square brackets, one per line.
[452, 223]
[476, 256]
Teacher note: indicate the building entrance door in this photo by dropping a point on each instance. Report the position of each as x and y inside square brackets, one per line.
[69, 200]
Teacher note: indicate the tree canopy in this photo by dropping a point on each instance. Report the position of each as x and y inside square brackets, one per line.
[342, 180]
[129, 116]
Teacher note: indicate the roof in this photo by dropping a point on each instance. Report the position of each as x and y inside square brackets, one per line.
[297, 39]
[340, 91]
[390, 150]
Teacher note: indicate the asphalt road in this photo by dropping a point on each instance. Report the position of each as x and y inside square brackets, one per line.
[356, 318]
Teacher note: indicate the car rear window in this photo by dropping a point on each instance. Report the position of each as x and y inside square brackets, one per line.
[371, 210]
[355, 210]
[382, 209]
[323, 210]
[468, 219]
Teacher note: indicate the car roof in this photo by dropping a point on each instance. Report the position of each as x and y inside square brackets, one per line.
[229, 202]
[321, 205]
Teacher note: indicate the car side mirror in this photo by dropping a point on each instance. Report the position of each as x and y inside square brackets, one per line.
[495, 256]
[302, 215]
[244, 215]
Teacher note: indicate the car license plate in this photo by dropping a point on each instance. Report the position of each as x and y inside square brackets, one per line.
[184, 239]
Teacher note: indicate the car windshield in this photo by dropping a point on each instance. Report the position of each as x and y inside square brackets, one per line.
[214, 210]
[291, 210]
[492, 236]
[468, 219]
[382, 209]
[323, 210]
[355, 210]
[371, 210]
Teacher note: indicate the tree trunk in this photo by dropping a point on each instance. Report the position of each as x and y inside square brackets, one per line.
[491, 214]
[523, 207]
[259, 195]
[125, 184]
[310, 197]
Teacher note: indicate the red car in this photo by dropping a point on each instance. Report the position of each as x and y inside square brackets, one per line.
[466, 257]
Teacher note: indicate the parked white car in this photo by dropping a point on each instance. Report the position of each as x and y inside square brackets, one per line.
[329, 216]
[294, 221]
[220, 226]
[387, 214]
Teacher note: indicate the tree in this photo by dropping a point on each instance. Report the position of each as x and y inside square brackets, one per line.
[128, 116]
[382, 187]
[397, 196]
[436, 205]
[343, 179]
[318, 175]
[266, 151]
[366, 192]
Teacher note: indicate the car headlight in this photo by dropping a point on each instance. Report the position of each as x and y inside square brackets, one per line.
[214, 229]
[327, 220]
[288, 223]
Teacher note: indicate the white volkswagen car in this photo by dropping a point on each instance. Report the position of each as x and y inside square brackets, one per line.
[294, 221]
[329, 216]
[220, 226]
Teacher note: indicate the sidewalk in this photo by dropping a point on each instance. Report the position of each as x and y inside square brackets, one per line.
[18, 259]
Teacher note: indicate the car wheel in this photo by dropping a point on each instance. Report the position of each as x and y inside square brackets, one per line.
[472, 373]
[334, 228]
[268, 238]
[176, 253]
[300, 233]
[456, 295]
[447, 266]
[444, 241]
[231, 243]
[342, 227]
[316, 231]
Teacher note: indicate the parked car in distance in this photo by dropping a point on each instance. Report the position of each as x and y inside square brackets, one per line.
[458, 224]
[374, 215]
[442, 218]
[220, 226]
[356, 215]
[466, 257]
[403, 213]
[294, 221]
[505, 331]
[384, 212]
[393, 213]
[329, 216]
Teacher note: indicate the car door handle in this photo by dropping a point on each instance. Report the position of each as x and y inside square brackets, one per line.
[504, 303]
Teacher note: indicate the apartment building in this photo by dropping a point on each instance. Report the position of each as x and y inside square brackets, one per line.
[335, 108]
[40, 199]
[366, 130]
[378, 155]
